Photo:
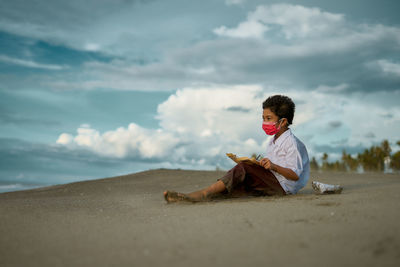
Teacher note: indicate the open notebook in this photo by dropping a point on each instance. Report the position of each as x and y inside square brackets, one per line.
[243, 159]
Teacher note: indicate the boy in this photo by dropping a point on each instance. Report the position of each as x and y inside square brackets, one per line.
[284, 170]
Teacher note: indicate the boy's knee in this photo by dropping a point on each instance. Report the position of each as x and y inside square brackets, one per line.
[247, 167]
[241, 165]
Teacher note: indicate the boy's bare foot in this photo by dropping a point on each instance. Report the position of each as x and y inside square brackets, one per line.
[172, 196]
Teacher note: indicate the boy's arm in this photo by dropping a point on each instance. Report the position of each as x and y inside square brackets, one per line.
[288, 173]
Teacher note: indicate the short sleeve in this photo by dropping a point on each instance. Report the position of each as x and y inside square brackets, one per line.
[293, 159]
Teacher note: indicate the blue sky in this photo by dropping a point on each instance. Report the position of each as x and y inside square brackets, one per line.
[104, 88]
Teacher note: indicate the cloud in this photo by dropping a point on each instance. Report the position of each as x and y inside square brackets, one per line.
[352, 117]
[197, 126]
[247, 29]
[12, 118]
[69, 23]
[342, 74]
[26, 161]
[135, 29]
[64, 139]
[30, 64]
[238, 109]
[332, 89]
[207, 108]
[134, 141]
[370, 135]
[336, 150]
[295, 21]
[335, 124]
[312, 49]
[298, 21]
[389, 67]
[312, 31]
[278, 45]
[234, 2]
[386, 115]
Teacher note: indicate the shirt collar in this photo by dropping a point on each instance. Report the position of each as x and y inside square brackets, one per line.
[282, 137]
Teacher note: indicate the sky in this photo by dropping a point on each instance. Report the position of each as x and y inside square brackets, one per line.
[97, 89]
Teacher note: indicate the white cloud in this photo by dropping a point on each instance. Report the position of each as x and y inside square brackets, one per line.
[310, 31]
[295, 22]
[277, 45]
[314, 56]
[246, 29]
[205, 111]
[196, 124]
[91, 47]
[199, 125]
[64, 139]
[29, 63]
[234, 2]
[354, 114]
[131, 141]
[298, 21]
[128, 29]
[332, 89]
[72, 24]
[389, 67]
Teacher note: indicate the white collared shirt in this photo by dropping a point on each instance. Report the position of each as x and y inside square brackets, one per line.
[289, 152]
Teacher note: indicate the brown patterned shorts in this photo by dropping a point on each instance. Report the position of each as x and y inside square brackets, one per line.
[251, 179]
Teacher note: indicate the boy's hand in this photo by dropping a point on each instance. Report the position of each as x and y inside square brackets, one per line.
[267, 164]
[288, 173]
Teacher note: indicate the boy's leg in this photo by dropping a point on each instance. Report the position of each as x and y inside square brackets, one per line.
[254, 178]
[208, 192]
[200, 195]
[237, 181]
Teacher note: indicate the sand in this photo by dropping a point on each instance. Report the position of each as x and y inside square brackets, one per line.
[125, 221]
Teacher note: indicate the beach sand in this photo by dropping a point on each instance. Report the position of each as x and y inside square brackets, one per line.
[125, 221]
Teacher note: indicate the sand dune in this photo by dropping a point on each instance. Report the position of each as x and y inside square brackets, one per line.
[125, 221]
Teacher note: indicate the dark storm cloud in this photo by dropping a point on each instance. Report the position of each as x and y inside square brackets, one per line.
[238, 109]
[129, 29]
[72, 14]
[235, 61]
[241, 61]
[387, 116]
[335, 124]
[341, 142]
[338, 149]
[155, 49]
[370, 135]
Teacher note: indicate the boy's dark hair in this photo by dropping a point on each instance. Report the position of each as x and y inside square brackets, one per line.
[281, 105]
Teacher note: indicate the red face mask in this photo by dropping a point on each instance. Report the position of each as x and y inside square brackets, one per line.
[270, 128]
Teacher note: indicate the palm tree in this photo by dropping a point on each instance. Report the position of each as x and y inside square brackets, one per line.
[395, 159]
[314, 164]
[373, 159]
[349, 162]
